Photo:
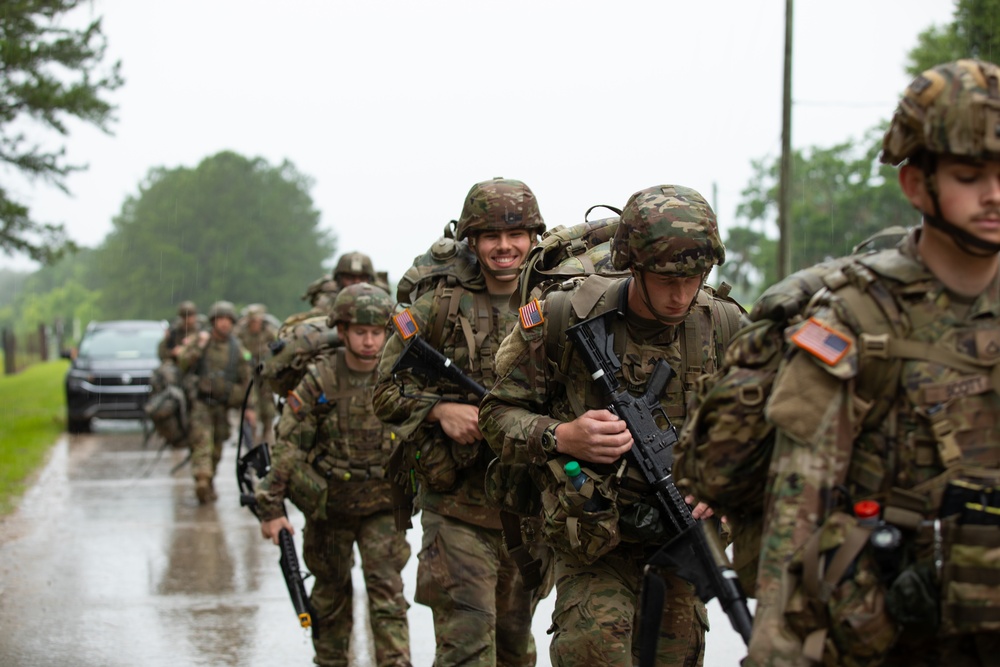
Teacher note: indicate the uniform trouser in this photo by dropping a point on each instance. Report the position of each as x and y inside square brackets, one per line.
[328, 551]
[482, 614]
[209, 430]
[265, 407]
[595, 614]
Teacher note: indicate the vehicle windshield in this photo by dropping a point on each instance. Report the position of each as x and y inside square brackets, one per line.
[121, 343]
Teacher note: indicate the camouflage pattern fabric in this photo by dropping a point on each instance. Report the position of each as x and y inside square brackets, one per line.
[471, 342]
[257, 344]
[328, 552]
[217, 377]
[482, 615]
[953, 109]
[501, 203]
[827, 438]
[667, 229]
[528, 398]
[329, 436]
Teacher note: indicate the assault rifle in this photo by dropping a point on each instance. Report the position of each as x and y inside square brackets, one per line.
[653, 437]
[424, 360]
[421, 358]
[254, 465]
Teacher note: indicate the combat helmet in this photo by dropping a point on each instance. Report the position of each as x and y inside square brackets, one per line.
[950, 109]
[667, 229]
[222, 309]
[356, 263]
[186, 308]
[499, 204]
[361, 303]
[256, 310]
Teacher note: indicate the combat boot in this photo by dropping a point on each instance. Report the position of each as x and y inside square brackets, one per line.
[203, 489]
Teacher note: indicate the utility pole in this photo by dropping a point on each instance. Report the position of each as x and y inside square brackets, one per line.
[785, 178]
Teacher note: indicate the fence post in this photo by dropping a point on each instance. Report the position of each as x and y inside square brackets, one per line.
[9, 351]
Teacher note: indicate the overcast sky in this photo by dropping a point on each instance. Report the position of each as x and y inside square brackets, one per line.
[396, 108]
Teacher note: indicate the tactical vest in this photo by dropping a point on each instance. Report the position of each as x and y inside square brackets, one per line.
[353, 444]
[217, 385]
[928, 396]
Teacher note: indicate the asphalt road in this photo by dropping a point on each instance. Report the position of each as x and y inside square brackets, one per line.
[111, 561]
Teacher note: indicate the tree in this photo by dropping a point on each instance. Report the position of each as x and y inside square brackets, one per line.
[840, 196]
[974, 33]
[49, 75]
[232, 228]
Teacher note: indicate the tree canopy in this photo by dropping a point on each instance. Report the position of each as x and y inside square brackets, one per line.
[232, 228]
[974, 33]
[49, 74]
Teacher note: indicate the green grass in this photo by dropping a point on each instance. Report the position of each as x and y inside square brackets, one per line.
[32, 415]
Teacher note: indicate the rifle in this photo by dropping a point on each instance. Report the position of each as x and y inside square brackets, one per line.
[424, 360]
[696, 559]
[421, 358]
[254, 465]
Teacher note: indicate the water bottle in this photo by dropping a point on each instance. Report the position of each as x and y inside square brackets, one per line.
[578, 478]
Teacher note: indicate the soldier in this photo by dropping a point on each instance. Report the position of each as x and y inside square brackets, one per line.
[482, 615]
[217, 370]
[185, 325]
[329, 460]
[254, 331]
[887, 417]
[545, 411]
[352, 268]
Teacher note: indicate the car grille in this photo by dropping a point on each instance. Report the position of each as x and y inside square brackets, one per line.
[120, 380]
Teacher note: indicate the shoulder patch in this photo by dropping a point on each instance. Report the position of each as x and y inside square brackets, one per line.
[294, 402]
[405, 324]
[531, 314]
[824, 343]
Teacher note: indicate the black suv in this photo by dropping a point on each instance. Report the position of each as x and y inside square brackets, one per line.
[110, 374]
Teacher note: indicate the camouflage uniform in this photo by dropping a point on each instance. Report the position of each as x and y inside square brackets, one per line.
[217, 376]
[257, 344]
[598, 582]
[482, 615]
[179, 330]
[895, 408]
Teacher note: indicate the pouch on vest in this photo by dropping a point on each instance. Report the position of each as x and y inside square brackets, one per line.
[307, 489]
[838, 602]
[510, 487]
[970, 578]
[567, 526]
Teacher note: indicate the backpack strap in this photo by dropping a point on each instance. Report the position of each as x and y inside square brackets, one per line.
[529, 567]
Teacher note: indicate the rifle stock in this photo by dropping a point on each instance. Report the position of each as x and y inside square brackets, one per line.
[653, 436]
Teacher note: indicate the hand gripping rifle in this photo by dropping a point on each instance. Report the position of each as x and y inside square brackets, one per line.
[253, 466]
[696, 558]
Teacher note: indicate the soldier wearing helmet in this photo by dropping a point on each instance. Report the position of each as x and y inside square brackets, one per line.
[218, 372]
[255, 331]
[886, 411]
[185, 325]
[545, 412]
[482, 614]
[329, 460]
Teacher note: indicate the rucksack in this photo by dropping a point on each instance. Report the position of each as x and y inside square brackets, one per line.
[167, 406]
[727, 430]
[298, 343]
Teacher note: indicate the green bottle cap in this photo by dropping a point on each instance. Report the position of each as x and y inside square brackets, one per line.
[572, 469]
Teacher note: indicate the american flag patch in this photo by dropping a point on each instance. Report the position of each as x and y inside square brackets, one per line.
[531, 314]
[405, 325]
[822, 342]
[294, 402]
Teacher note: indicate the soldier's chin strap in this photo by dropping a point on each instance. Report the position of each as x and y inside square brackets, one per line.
[966, 241]
[639, 278]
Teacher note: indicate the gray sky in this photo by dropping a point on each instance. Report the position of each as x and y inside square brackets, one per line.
[396, 108]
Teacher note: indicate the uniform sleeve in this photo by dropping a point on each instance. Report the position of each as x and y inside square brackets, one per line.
[406, 415]
[295, 434]
[817, 418]
[513, 416]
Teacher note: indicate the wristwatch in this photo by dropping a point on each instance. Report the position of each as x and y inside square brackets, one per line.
[549, 438]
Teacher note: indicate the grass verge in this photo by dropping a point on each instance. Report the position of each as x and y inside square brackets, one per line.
[32, 415]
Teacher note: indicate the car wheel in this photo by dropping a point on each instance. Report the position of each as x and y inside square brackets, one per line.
[78, 425]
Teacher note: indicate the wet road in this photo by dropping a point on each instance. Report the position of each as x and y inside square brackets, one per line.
[111, 561]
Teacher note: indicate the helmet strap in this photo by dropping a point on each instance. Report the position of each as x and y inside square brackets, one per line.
[968, 243]
[639, 278]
